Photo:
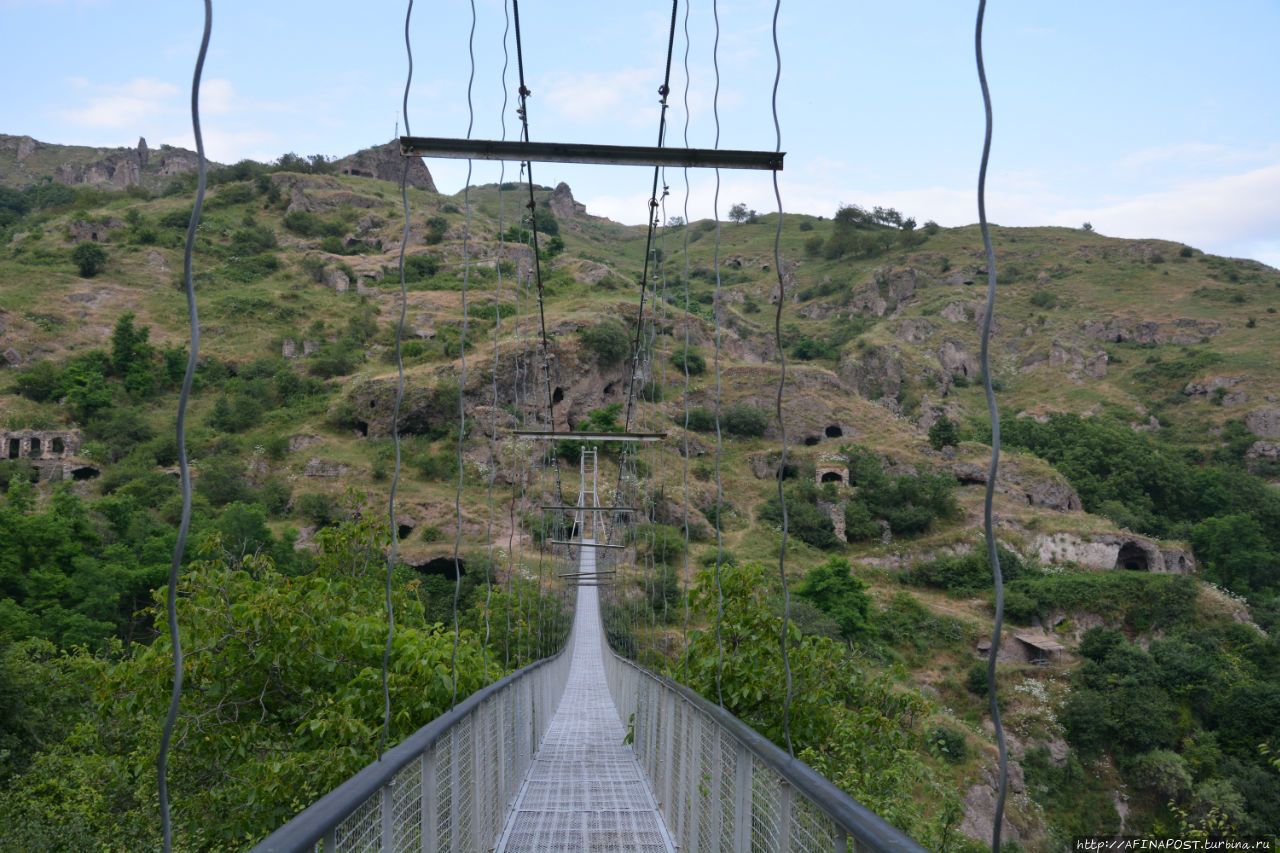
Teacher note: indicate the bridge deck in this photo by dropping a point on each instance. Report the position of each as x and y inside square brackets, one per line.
[585, 790]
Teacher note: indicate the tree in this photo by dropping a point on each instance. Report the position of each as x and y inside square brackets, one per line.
[608, 340]
[943, 433]
[741, 213]
[836, 592]
[90, 258]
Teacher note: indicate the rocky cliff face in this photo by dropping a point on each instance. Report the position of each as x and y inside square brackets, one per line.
[386, 163]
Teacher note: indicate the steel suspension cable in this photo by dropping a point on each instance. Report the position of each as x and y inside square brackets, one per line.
[395, 415]
[715, 310]
[184, 526]
[462, 381]
[497, 326]
[523, 112]
[782, 381]
[663, 92]
[685, 360]
[987, 527]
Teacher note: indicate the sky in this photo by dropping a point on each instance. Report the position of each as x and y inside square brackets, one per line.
[1146, 119]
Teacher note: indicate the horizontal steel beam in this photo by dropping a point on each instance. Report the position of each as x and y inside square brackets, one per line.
[575, 152]
[591, 436]
[592, 508]
[583, 544]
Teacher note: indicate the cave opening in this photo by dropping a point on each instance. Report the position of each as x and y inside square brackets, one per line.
[834, 431]
[557, 395]
[403, 530]
[832, 477]
[85, 472]
[445, 567]
[811, 440]
[1132, 558]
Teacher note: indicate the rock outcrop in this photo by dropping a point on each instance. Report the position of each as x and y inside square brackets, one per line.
[386, 163]
[563, 205]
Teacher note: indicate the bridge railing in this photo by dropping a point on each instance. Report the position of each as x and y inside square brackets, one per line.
[445, 788]
[723, 786]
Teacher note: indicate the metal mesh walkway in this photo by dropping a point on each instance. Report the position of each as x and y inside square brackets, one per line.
[585, 790]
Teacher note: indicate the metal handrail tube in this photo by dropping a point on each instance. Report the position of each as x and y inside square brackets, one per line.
[864, 828]
[318, 821]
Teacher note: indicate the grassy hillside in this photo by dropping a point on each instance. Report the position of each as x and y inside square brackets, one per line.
[1163, 349]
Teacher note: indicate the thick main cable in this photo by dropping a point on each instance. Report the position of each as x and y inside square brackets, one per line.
[663, 92]
[987, 527]
[523, 112]
[184, 527]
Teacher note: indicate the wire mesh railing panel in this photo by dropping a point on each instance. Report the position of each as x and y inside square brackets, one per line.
[810, 828]
[406, 809]
[362, 830]
[768, 822]
[443, 769]
[726, 808]
[727, 788]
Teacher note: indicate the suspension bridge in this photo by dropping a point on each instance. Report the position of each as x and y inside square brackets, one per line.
[584, 750]
[587, 751]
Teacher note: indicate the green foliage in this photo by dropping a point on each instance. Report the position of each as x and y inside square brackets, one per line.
[975, 681]
[805, 520]
[688, 360]
[307, 224]
[943, 433]
[279, 708]
[848, 724]
[420, 267]
[89, 258]
[1045, 299]
[909, 503]
[833, 589]
[947, 744]
[1229, 514]
[965, 574]
[744, 420]
[700, 420]
[608, 340]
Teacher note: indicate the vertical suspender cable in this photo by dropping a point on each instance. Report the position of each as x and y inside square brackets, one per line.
[497, 307]
[663, 91]
[193, 320]
[523, 111]
[782, 381]
[395, 415]
[715, 310]
[685, 469]
[995, 439]
[462, 380]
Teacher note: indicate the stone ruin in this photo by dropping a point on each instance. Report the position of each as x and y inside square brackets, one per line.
[53, 452]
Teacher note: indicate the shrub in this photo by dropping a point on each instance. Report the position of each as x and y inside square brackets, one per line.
[688, 359]
[90, 259]
[976, 681]
[833, 589]
[701, 420]
[943, 433]
[947, 744]
[1044, 299]
[744, 420]
[608, 340]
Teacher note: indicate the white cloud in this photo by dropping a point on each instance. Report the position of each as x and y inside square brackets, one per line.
[129, 106]
[1231, 210]
[602, 96]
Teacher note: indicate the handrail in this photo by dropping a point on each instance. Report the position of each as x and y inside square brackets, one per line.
[869, 831]
[312, 825]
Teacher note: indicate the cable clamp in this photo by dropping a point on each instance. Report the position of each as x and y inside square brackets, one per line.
[525, 92]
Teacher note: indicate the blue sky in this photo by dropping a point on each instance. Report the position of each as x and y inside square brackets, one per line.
[1146, 119]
